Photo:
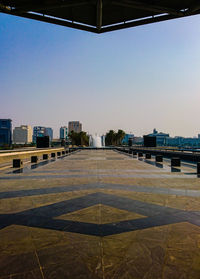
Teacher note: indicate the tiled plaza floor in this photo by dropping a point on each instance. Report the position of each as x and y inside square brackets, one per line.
[100, 214]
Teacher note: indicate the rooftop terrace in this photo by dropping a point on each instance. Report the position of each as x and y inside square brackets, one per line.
[100, 214]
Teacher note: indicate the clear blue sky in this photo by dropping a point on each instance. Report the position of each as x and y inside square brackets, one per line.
[136, 79]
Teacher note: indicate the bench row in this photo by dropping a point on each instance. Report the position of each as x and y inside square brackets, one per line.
[175, 161]
[18, 163]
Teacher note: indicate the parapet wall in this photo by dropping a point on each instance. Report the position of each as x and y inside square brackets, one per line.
[9, 156]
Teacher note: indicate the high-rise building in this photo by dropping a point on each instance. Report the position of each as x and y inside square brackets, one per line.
[5, 131]
[63, 133]
[49, 132]
[39, 131]
[22, 134]
[75, 126]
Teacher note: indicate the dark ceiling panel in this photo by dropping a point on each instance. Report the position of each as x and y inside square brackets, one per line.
[100, 15]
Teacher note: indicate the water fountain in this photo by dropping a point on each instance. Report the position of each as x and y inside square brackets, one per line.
[96, 141]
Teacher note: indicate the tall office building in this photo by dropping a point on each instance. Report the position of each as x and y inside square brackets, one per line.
[22, 134]
[75, 126]
[63, 133]
[5, 131]
[39, 131]
[49, 132]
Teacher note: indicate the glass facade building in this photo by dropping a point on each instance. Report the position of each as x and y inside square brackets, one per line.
[39, 131]
[63, 133]
[49, 132]
[5, 132]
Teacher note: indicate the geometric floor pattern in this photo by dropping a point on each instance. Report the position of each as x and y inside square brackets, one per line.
[100, 215]
[43, 217]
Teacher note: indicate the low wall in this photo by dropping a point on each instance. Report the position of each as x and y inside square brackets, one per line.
[9, 156]
[183, 155]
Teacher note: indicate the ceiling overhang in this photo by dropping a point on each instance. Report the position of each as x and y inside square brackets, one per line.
[100, 16]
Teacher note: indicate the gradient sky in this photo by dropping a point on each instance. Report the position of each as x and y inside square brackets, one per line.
[135, 79]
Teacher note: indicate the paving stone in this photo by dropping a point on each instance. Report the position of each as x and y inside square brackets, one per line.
[100, 214]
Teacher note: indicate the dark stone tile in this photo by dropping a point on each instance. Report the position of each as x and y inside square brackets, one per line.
[21, 263]
[57, 254]
[34, 274]
[77, 269]
[133, 188]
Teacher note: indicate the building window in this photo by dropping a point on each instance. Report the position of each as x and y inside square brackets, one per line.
[4, 123]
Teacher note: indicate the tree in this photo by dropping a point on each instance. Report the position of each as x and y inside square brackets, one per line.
[79, 138]
[110, 137]
[113, 138]
[119, 136]
[84, 138]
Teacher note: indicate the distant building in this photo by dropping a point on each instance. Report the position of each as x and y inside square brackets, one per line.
[128, 138]
[150, 141]
[160, 137]
[49, 132]
[183, 142]
[5, 131]
[22, 134]
[138, 140]
[38, 131]
[63, 133]
[75, 126]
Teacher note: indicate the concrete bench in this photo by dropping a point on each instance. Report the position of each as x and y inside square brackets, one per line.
[34, 159]
[17, 163]
[159, 158]
[45, 156]
[198, 168]
[175, 162]
[148, 156]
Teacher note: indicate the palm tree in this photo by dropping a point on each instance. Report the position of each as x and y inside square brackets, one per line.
[113, 138]
[110, 138]
[120, 135]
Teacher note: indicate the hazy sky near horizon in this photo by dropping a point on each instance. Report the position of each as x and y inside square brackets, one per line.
[135, 79]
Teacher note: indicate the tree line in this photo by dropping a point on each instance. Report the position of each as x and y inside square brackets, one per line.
[111, 138]
[114, 138]
[79, 139]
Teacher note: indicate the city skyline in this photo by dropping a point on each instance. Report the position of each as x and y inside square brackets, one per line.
[136, 79]
[154, 131]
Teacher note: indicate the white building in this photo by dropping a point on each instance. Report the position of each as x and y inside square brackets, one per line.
[22, 134]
